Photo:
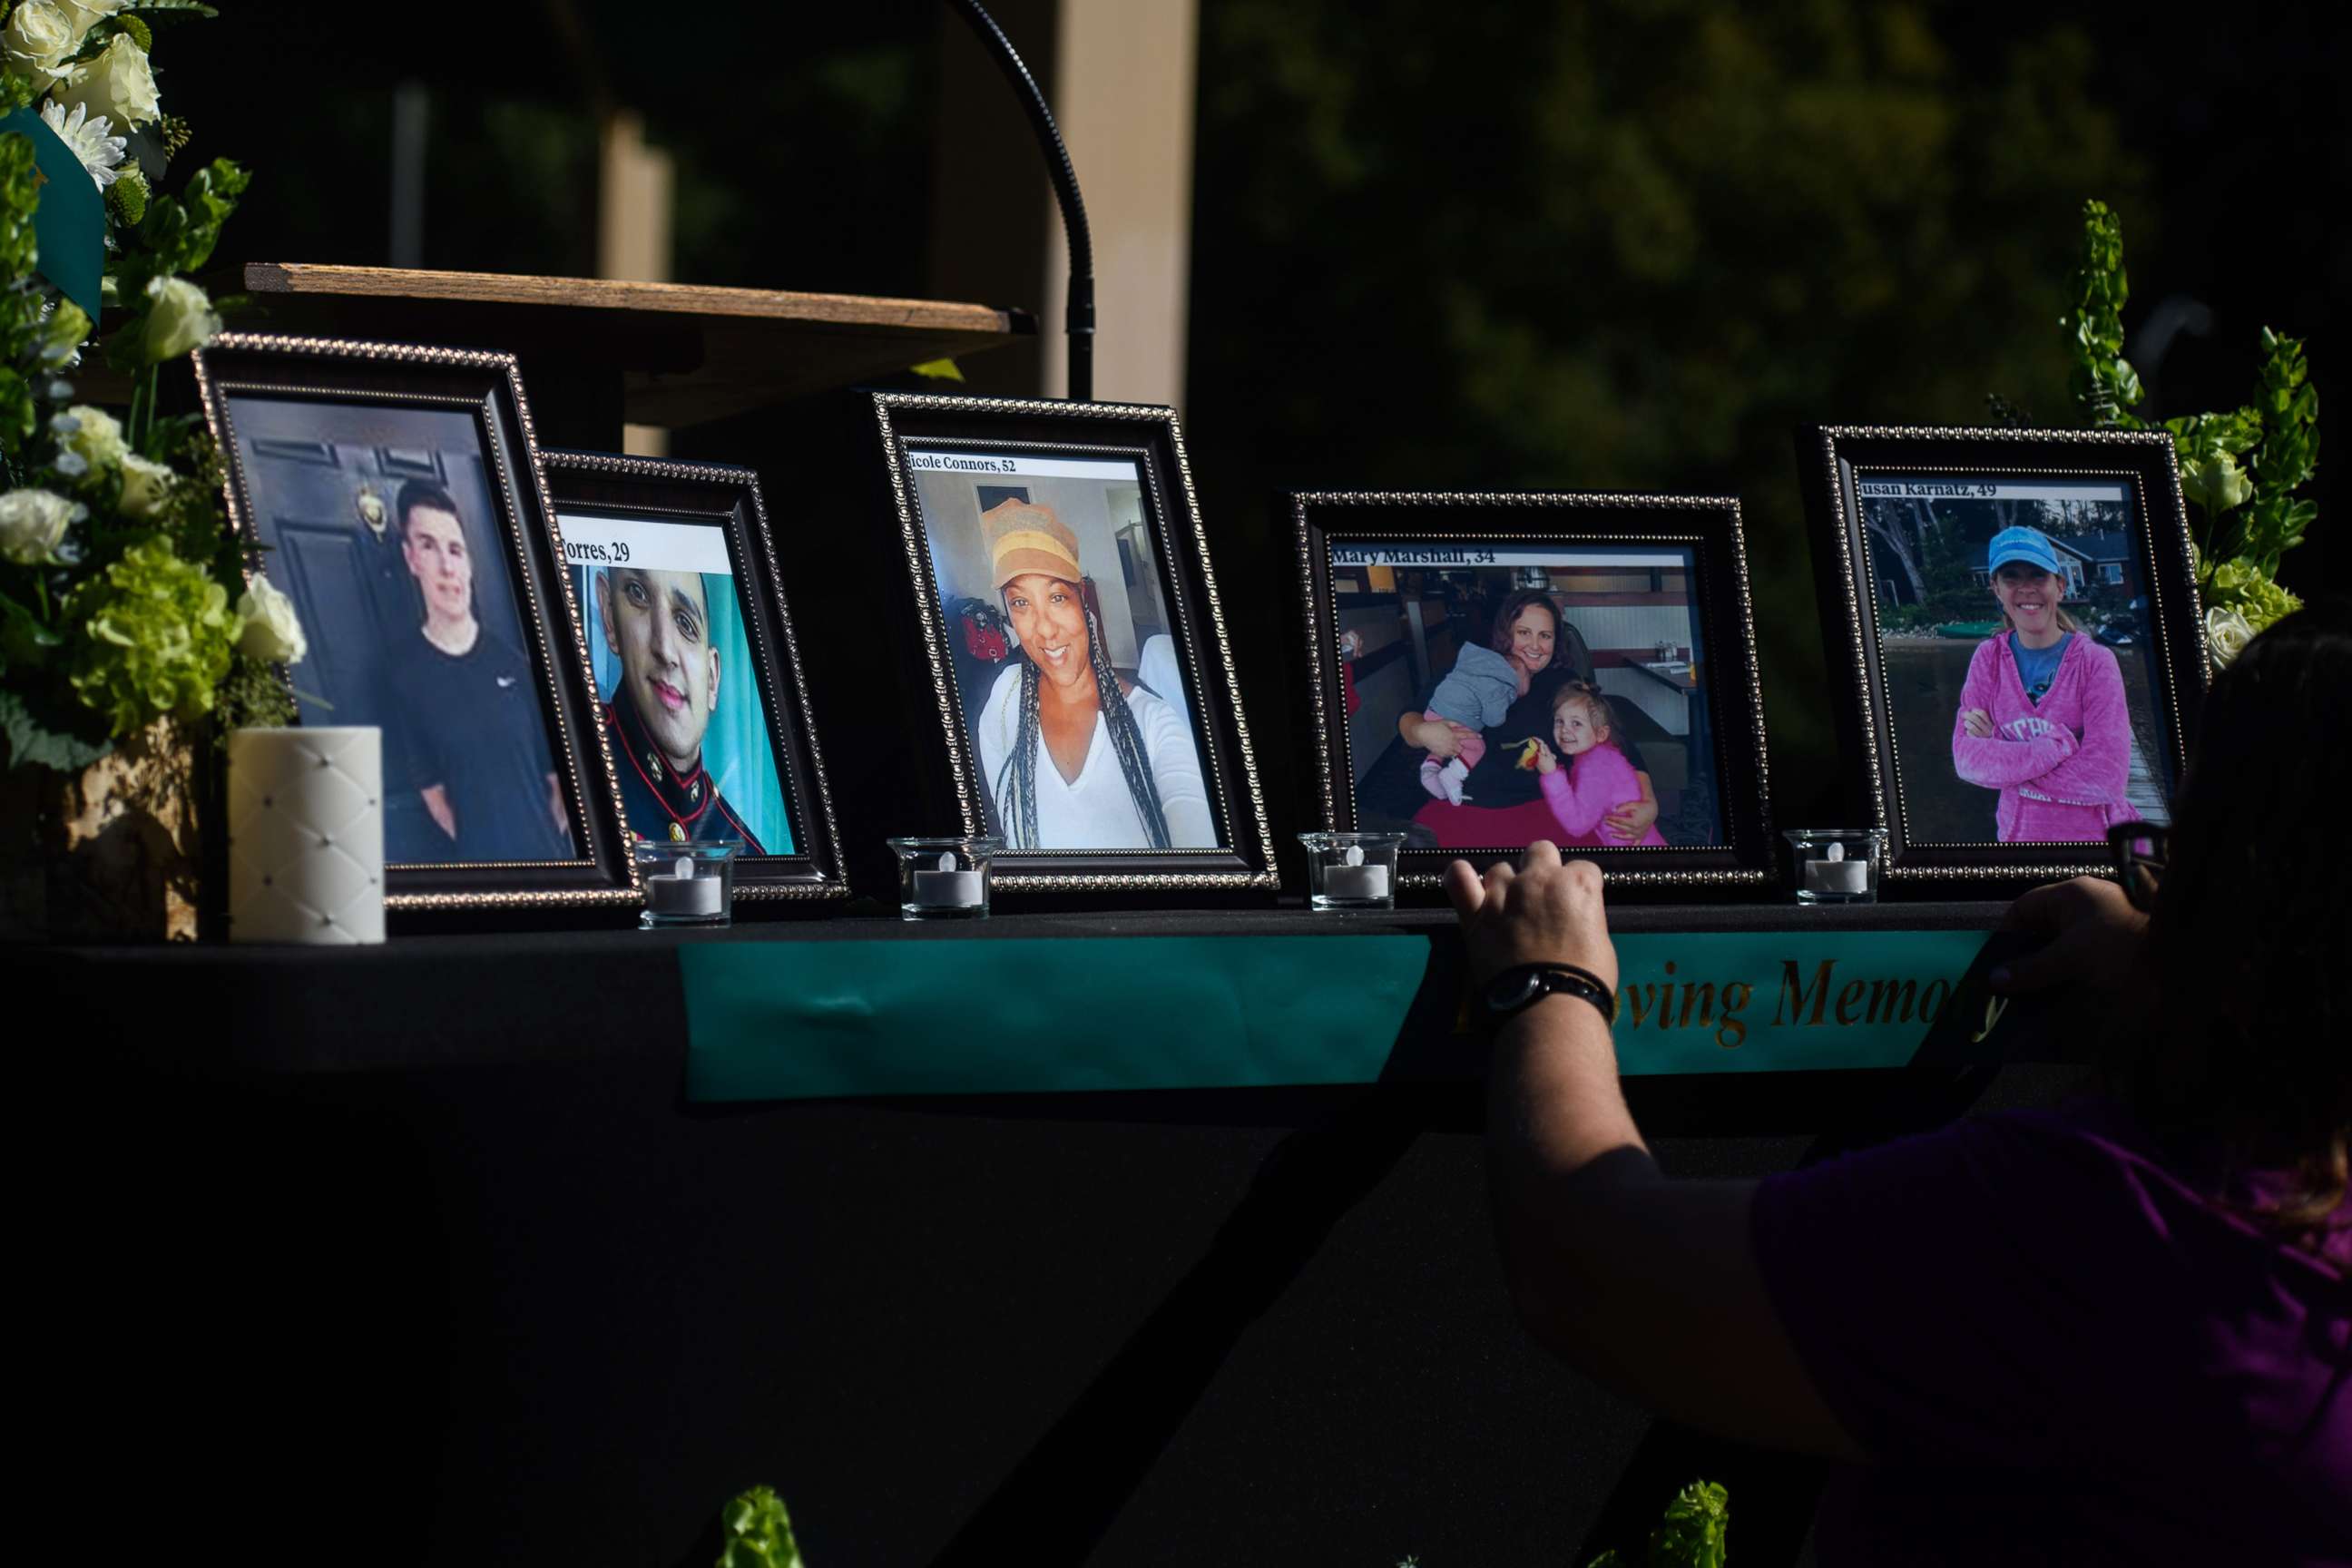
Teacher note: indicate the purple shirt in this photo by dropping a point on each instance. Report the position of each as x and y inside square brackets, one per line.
[2055, 1350]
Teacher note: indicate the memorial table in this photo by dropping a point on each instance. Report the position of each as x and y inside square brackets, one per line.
[496, 1228]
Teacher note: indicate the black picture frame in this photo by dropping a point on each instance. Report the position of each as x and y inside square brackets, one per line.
[1241, 861]
[725, 499]
[486, 389]
[1729, 720]
[1854, 547]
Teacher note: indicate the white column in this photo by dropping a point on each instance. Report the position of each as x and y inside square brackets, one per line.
[1123, 91]
[635, 202]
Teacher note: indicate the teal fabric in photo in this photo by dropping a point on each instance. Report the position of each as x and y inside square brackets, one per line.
[788, 1020]
[735, 747]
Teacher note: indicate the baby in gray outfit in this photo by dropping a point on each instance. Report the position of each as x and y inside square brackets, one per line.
[1477, 693]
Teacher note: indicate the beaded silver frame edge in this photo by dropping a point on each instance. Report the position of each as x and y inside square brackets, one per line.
[242, 525]
[947, 700]
[1729, 877]
[832, 885]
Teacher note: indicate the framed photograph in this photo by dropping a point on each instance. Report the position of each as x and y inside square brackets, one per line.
[1076, 650]
[1486, 670]
[697, 675]
[394, 493]
[2014, 642]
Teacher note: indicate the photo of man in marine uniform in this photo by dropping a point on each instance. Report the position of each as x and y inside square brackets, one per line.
[657, 624]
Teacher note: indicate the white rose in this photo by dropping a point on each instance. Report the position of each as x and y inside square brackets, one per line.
[271, 630]
[116, 84]
[2226, 632]
[84, 15]
[38, 35]
[32, 524]
[145, 483]
[99, 438]
[181, 318]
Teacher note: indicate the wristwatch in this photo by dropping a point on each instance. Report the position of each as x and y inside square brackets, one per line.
[1523, 985]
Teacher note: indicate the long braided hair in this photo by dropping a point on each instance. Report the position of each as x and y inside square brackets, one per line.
[1015, 786]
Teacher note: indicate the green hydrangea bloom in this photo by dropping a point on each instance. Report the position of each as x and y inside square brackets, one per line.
[159, 637]
[2264, 601]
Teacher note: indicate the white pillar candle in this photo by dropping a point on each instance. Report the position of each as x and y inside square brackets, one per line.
[682, 894]
[1834, 873]
[947, 888]
[1351, 878]
[306, 835]
[1356, 882]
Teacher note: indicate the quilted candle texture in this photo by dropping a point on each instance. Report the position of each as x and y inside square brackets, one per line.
[306, 836]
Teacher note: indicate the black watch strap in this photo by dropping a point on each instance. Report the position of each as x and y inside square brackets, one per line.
[1521, 986]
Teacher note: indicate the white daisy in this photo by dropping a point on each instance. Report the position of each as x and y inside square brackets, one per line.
[87, 135]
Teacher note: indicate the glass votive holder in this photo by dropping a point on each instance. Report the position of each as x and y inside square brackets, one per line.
[1836, 865]
[944, 879]
[687, 884]
[1352, 870]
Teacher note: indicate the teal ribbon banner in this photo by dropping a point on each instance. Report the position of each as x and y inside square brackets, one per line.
[69, 224]
[797, 1020]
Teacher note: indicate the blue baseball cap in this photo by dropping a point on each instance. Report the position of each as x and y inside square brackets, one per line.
[2027, 544]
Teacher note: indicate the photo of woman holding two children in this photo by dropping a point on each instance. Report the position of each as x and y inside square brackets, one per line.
[1527, 730]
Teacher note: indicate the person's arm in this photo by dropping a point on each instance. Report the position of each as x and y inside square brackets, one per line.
[555, 808]
[1629, 822]
[1438, 737]
[1176, 770]
[1577, 816]
[2100, 768]
[1649, 1285]
[1992, 761]
[438, 807]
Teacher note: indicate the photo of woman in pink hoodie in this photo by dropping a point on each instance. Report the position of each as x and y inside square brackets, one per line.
[2042, 716]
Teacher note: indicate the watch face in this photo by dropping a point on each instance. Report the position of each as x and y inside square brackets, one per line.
[1513, 989]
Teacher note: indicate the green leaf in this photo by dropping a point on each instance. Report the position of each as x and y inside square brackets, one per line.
[1691, 1534]
[756, 1532]
[34, 741]
[938, 370]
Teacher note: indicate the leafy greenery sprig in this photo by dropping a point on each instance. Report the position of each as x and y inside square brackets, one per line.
[122, 592]
[2252, 513]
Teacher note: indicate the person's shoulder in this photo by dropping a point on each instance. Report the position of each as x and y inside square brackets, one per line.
[2093, 652]
[1000, 691]
[1480, 662]
[1148, 706]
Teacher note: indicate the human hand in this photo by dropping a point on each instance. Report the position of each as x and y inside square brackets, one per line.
[1442, 737]
[2090, 932]
[1541, 911]
[1545, 762]
[1629, 822]
[1979, 723]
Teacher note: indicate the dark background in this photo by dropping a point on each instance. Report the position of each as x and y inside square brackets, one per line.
[1508, 244]
[1490, 245]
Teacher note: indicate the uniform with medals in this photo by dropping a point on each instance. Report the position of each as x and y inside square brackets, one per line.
[661, 802]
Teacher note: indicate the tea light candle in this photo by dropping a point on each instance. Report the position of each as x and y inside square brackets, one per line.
[682, 894]
[947, 888]
[1834, 873]
[1355, 879]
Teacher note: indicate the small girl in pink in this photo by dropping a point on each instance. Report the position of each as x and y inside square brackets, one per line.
[1599, 779]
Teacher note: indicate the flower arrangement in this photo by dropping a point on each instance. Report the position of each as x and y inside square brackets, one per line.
[2252, 513]
[122, 599]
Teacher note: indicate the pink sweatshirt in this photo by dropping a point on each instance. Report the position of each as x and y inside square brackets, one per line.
[1587, 788]
[2059, 766]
